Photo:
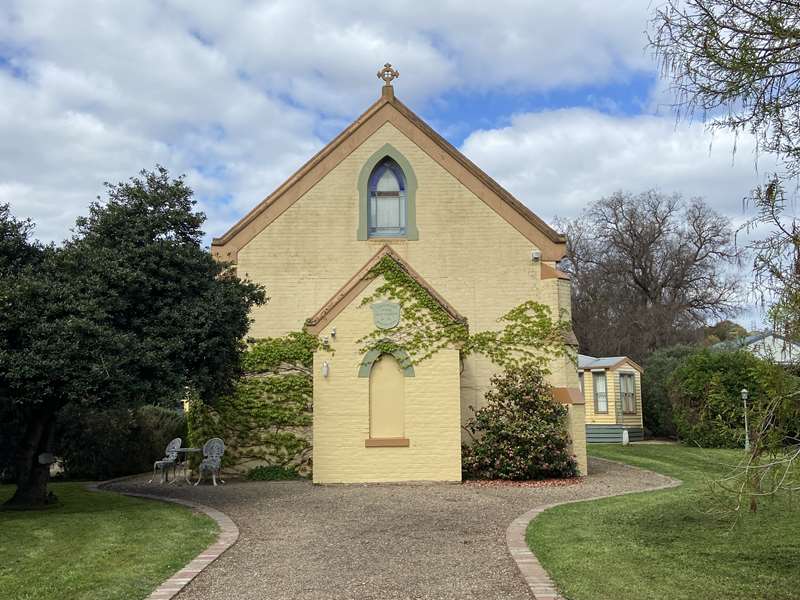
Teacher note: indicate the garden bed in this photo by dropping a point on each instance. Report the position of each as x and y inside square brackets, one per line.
[541, 483]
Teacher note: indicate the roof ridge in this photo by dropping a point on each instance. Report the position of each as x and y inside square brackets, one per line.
[480, 173]
[298, 173]
[228, 244]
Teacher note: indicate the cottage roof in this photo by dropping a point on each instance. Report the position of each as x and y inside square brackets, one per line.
[604, 362]
[748, 340]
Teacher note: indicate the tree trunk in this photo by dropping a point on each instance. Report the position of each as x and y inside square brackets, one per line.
[31, 476]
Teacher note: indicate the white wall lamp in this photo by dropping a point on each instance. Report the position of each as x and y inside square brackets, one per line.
[333, 333]
[326, 368]
[536, 255]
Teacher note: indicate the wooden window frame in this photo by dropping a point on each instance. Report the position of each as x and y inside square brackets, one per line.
[411, 233]
[633, 393]
[597, 410]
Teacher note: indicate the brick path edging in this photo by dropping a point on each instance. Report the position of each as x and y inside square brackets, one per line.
[228, 534]
[541, 585]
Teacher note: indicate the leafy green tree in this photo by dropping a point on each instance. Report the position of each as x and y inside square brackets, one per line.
[521, 433]
[130, 310]
[724, 331]
[658, 370]
[17, 253]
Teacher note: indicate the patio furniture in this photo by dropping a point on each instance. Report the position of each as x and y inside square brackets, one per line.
[183, 461]
[213, 450]
[170, 459]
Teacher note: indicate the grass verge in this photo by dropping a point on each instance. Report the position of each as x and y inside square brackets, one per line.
[97, 545]
[670, 544]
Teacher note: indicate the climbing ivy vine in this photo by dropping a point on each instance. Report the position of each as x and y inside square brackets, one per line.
[268, 417]
[529, 334]
[267, 420]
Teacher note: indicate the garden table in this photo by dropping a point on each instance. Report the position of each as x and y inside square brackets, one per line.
[186, 452]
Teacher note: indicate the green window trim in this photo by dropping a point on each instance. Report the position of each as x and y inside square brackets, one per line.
[401, 355]
[411, 192]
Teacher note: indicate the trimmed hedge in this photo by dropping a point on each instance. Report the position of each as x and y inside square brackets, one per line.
[705, 392]
[657, 406]
[272, 473]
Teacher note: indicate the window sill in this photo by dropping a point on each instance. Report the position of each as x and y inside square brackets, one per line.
[384, 240]
[386, 443]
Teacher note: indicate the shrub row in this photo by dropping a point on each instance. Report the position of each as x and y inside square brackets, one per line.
[101, 444]
[695, 394]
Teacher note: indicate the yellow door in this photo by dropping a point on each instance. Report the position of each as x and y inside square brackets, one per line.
[386, 398]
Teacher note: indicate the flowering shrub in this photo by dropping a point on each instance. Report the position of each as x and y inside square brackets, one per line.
[521, 433]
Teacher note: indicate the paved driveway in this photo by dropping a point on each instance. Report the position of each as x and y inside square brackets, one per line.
[376, 541]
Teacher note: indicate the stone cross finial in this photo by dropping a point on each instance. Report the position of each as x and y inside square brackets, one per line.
[388, 74]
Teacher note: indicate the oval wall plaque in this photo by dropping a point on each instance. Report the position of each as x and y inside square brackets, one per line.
[385, 314]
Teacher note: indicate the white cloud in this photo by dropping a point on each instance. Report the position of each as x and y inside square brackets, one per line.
[320, 52]
[105, 94]
[558, 161]
[239, 94]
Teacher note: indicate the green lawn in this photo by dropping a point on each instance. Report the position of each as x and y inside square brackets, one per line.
[97, 545]
[666, 544]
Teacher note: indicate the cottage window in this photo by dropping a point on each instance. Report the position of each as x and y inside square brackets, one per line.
[627, 391]
[387, 200]
[600, 392]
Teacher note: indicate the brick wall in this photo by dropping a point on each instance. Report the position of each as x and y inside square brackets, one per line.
[467, 252]
[341, 413]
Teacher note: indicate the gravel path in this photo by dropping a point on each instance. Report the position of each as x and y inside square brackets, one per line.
[436, 541]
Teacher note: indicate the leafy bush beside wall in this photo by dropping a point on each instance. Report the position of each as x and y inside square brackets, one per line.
[267, 420]
[522, 433]
[101, 444]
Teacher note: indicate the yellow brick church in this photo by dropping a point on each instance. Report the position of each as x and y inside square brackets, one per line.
[390, 187]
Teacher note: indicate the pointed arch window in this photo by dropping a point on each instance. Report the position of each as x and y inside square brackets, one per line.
[387, 204]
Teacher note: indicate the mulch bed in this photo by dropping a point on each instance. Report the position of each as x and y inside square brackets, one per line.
[541, 483]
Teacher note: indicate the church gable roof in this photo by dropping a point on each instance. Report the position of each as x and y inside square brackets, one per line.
[359, 282]
[389, 109]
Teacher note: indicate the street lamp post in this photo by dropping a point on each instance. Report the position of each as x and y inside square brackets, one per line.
[746, 428]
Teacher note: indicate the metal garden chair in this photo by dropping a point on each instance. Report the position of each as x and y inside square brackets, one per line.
[170, 460]
[213, 450]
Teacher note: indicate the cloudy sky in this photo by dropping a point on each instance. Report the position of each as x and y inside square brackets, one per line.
[559, 101]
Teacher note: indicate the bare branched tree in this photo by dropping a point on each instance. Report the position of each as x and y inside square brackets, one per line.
[648, 271]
